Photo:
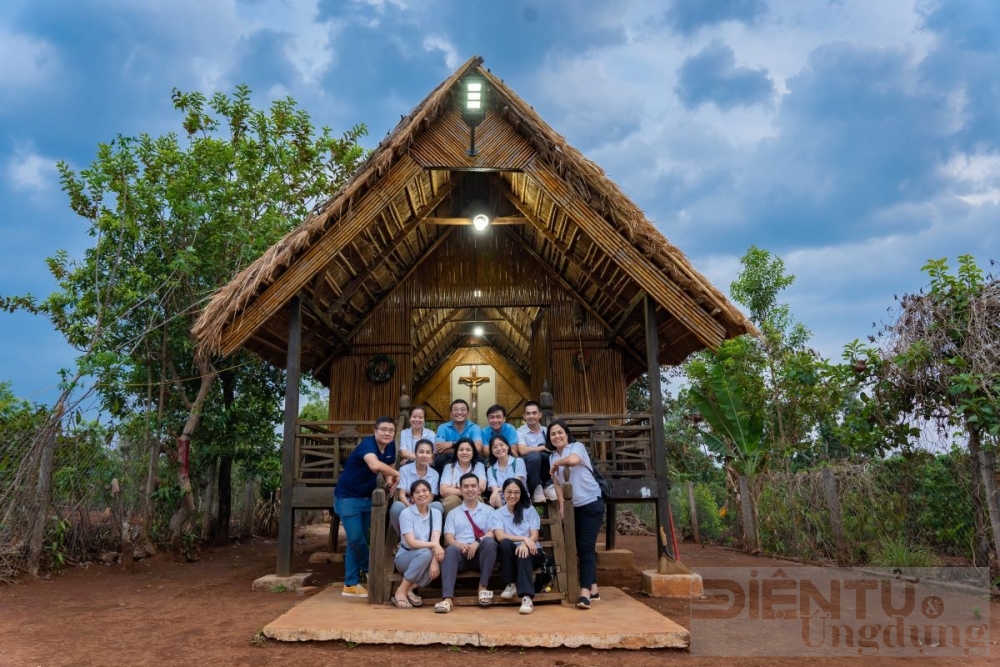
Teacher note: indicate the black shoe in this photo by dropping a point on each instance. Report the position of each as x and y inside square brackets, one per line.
[583, 603]
[595, 597]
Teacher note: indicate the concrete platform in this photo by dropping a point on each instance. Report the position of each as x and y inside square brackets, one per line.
[617, 621]
[615, 559]
[659, 585]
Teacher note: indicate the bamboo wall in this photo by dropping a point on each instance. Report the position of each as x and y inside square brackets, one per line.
[541, 359]
[352, 395]
[601, 387]
[489, 262]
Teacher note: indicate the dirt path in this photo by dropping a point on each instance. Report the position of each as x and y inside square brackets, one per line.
[205, 614]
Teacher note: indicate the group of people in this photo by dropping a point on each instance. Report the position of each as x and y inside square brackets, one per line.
[487, 480]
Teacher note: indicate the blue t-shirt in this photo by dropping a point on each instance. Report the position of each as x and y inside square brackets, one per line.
[447, 432]
[507, 432]
[356, 479]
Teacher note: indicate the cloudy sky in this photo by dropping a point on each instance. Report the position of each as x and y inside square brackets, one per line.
[854, 138]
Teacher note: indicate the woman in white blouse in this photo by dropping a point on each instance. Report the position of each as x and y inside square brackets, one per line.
[420, 551]
[464, 459]
[515, 527]
[501, 467]
[588, 508]
[408, 474]
[409, 437]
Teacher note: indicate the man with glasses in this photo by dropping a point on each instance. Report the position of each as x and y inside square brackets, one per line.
[352, 498]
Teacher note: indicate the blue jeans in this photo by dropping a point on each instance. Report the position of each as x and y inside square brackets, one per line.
[356, 518]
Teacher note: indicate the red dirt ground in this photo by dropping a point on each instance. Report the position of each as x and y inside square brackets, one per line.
[205, 614]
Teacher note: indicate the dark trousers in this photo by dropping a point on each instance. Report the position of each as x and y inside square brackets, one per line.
[455, 562]
[588, 520]
[514, 569]
[440, 461]
[537, 466]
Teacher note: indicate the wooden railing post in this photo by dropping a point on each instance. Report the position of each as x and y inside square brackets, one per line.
[569, 532]
[378, 575]
[546, 403]
[836, 518]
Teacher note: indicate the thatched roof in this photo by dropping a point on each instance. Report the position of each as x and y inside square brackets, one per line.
[356, 249]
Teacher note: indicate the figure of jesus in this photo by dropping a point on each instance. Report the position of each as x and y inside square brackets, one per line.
[473, 381]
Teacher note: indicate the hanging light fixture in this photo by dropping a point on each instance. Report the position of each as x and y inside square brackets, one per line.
[473, 106]
[478, 331]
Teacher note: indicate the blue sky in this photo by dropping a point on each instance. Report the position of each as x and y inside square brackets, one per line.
[856, 139]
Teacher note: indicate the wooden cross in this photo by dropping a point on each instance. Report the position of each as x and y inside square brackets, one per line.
[473, 381]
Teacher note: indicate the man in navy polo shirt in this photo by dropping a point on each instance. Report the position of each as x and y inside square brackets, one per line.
[352, 498]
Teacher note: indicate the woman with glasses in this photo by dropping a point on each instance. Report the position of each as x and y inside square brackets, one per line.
[420, 551]
[588, 508]
[501, 467]
[516, 527]
[464, 459]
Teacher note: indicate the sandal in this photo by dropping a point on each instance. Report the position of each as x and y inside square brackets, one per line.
[401, 603]
[414, 599]
[485, 598]
[442, 607]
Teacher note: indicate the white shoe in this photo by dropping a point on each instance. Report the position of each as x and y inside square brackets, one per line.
[539, 495]
[509, 592]
[550, 492]
[526, 605]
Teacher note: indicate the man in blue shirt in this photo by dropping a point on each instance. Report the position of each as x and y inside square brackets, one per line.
[497, 416]
[352, 498]
[449, 433]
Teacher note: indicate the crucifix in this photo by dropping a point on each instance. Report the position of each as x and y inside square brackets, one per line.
[473, 381]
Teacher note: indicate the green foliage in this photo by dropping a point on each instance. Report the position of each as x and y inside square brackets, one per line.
[736, 434]
[710, 525]
[898, 552]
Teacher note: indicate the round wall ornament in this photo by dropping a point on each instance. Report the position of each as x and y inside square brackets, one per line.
[380, 368]
[581, 360]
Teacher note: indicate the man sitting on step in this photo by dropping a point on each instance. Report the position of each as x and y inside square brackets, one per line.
[469, 544]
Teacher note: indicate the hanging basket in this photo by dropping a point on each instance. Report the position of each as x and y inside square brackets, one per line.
[581, 360]
[380, 368]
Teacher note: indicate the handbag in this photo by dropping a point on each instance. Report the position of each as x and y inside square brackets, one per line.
[602, 482]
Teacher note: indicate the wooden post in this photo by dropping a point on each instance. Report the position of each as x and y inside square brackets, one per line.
[545, 403]
[378, 576]
[286, 521]
[694, 514]
[572, 563]
[611, 525]
[836, 518]
[988, 468]
[749, 526]
[664, 542]
[44, 449]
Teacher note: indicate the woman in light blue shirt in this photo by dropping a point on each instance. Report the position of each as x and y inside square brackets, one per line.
[515, 527]
[588, 508]
[408, 474]
[464, 459]
[409, 437]
[501, 467]
[420, 551]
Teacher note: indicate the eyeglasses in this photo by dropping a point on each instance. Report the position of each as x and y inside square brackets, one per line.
[386, 429]
[512, 493]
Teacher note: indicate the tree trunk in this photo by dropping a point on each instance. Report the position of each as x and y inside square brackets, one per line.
[45, 445]
[981, 547]
[249, 507]
[225, 486]
[749, 525]
[206, 506]
[989, 477]
[186, 508]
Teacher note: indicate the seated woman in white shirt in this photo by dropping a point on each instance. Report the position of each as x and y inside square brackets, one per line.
[420, 551]
[464, 459]
[501, 467]
[409, 437]
[408, 474]
[515, 527]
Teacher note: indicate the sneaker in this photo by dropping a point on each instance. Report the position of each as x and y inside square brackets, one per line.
[526, 605]
[550, 492]
[356, 591]
[509, 592]
[539, 495]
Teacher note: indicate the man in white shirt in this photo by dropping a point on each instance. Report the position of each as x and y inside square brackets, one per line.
[469, 544]
[531, 447]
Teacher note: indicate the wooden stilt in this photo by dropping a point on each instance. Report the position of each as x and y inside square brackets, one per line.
[286, 523]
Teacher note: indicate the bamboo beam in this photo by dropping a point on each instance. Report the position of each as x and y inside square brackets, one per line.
[628, 313]
[503, 220]
[304, 267]
[708, 331]
[625, 345]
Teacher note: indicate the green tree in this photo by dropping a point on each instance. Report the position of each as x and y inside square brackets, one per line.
[174, 219]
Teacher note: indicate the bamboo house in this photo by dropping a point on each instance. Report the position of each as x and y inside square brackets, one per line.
[474, 242]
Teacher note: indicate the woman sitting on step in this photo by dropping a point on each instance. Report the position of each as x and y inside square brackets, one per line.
[501, 467]
[515, 526]
[420, 552]
[421, 468]
[465, 459]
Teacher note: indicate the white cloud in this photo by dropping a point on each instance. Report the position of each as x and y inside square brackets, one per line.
[25, 60]
[28, 170]
[451, 58]
[976, 177]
